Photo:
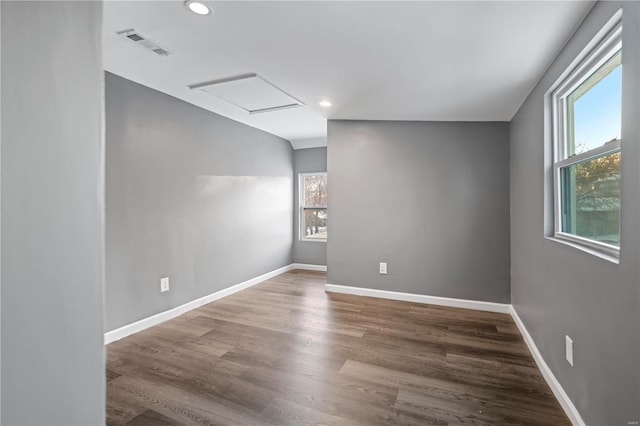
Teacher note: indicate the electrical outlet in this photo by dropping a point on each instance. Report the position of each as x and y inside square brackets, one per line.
[383, 268]
[164, 284]
[569, 349]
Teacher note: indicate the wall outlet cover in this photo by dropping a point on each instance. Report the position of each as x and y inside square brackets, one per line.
[164, 284]
[569, 349]
[383, 268]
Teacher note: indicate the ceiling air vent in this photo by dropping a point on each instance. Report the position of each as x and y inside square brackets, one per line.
[252, 93]
[140, 40]
[161, 51]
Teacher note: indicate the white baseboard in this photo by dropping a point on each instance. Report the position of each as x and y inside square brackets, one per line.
[562, 397]
[420, 298]
[129, 329]
[309, 267]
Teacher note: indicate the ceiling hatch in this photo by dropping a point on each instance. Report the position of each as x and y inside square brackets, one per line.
[250, 92]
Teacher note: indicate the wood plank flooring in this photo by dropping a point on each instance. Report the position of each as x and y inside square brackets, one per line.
[284, 352]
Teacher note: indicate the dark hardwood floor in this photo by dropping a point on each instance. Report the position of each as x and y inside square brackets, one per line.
[284, 352]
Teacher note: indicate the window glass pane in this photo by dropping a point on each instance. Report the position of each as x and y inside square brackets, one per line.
[315, 190]
[594, 108]
[315, 224]
[591, 199]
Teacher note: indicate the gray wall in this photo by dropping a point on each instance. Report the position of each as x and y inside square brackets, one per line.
[307, 161]
[52, 214]
[191, 195]
[430, 199]
[559, 290]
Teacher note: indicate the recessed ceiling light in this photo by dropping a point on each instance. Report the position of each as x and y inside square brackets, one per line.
[325, 104]
[197, 7]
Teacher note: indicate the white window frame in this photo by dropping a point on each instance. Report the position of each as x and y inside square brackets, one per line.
[303, 207]
[604, 50]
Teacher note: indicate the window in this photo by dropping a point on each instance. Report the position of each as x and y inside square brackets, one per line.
[313, 206]
[587, 121]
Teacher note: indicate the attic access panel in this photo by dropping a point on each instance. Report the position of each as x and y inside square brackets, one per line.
[250, 92]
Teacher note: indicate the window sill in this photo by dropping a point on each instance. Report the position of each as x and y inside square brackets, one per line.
[603, 251]
[315, 240]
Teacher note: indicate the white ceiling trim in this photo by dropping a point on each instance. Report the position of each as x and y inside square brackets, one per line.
[309, 143]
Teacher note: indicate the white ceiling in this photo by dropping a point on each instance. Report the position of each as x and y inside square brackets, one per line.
[382, 60]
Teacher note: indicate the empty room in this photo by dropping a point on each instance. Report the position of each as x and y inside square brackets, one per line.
[320, 213]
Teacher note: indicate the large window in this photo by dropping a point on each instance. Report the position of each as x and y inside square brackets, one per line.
[313, 206]
[587, 121]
